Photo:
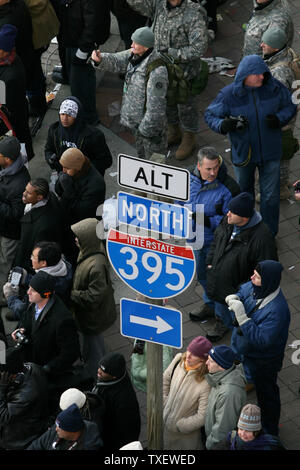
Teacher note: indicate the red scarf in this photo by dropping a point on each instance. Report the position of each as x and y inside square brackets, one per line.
[9, 59]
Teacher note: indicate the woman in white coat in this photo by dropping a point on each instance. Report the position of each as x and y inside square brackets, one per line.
[185, 394]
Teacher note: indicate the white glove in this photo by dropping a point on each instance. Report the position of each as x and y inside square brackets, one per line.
[9, 290]
[238, 308]
[231, 297]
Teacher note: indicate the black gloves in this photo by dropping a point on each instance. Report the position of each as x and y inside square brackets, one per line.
[272, 121]
[233, 123]
[53, 162]
[228, 125]
[66, 182]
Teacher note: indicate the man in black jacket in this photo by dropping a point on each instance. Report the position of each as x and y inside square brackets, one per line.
[70, 432]
[12, 73]
[71, 131]
[240, 241]
[78, 34]
[42, 221]
[121, 421]
[80, 186]
[23, 403]
[13, 178]
[51, 337]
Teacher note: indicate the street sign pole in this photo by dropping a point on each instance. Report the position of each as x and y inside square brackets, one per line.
[155, 384]
[172, 183]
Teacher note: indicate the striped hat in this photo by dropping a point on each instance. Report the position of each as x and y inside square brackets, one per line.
[249, 419]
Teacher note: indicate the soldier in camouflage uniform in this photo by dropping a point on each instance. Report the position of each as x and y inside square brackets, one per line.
[278, 57]
[144, 101]
[267, 14]
[180, 29]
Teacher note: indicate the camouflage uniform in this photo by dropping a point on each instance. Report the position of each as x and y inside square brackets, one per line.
[182, 32]
[279, 65]
[144, 104]
[274, 15]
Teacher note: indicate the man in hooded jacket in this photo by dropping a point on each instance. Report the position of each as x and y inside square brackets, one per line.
[260, 333]
[92, 298]
[252, 110]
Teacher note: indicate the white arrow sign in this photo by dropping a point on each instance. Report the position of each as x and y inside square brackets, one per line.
[161, 325]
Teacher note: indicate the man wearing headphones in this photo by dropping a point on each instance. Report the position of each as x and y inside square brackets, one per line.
[212, 187]
[47, 334]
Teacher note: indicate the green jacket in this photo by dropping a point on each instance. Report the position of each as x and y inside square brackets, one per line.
[226, 399]
[92, 298]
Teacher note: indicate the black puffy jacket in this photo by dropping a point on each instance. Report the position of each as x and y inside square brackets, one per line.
[12, 187]
[23, 408]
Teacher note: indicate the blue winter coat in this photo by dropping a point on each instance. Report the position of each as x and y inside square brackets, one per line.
[265, 334]
[215, 196]
[257, 141]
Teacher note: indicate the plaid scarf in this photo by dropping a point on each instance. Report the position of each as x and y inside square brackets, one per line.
[9, 59]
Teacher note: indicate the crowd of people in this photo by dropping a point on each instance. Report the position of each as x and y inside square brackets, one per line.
[60, 388]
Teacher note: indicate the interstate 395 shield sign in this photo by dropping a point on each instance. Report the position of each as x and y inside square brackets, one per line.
[153, 268]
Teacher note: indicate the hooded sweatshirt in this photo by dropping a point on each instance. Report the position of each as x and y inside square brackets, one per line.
[92, 296]
[256, 142]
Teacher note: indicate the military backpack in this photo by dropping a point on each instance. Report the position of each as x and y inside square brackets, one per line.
[179, 88]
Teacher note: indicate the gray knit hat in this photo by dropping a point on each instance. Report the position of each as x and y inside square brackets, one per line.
[275, 38]
[143, 36]
[249, 419]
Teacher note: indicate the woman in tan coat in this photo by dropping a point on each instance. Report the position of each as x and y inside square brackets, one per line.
[185, 394]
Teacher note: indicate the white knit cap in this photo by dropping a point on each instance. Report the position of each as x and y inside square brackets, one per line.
[71, 396]
[69, 107]
[135, 445]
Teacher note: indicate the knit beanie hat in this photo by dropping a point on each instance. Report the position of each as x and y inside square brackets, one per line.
[135, 445]
[113, 364]
[242, 205]
[249, 419]
[72, 158]
[222, 355]
[8, 34]
[199, 347]
[43, 283]
[274, 37]
[70, 419]
[69, 107]
[70, 396]
[143, 36]
[10, 147]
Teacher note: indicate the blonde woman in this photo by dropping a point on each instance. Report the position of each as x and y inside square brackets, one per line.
[185, 394]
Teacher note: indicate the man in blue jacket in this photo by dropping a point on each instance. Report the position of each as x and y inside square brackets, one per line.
[260, 333]
[253, 110]
[211, 186]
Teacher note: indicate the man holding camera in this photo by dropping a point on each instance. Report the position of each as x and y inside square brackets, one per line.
[47, 334]
[46, 256]
[260, 333]
[253, 110]
[13, 178]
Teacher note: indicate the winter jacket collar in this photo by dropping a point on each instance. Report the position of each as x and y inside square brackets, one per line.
[59, 270]
[233, 376]
[14, 168]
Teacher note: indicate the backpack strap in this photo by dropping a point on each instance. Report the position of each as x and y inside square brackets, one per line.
[174, 368]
